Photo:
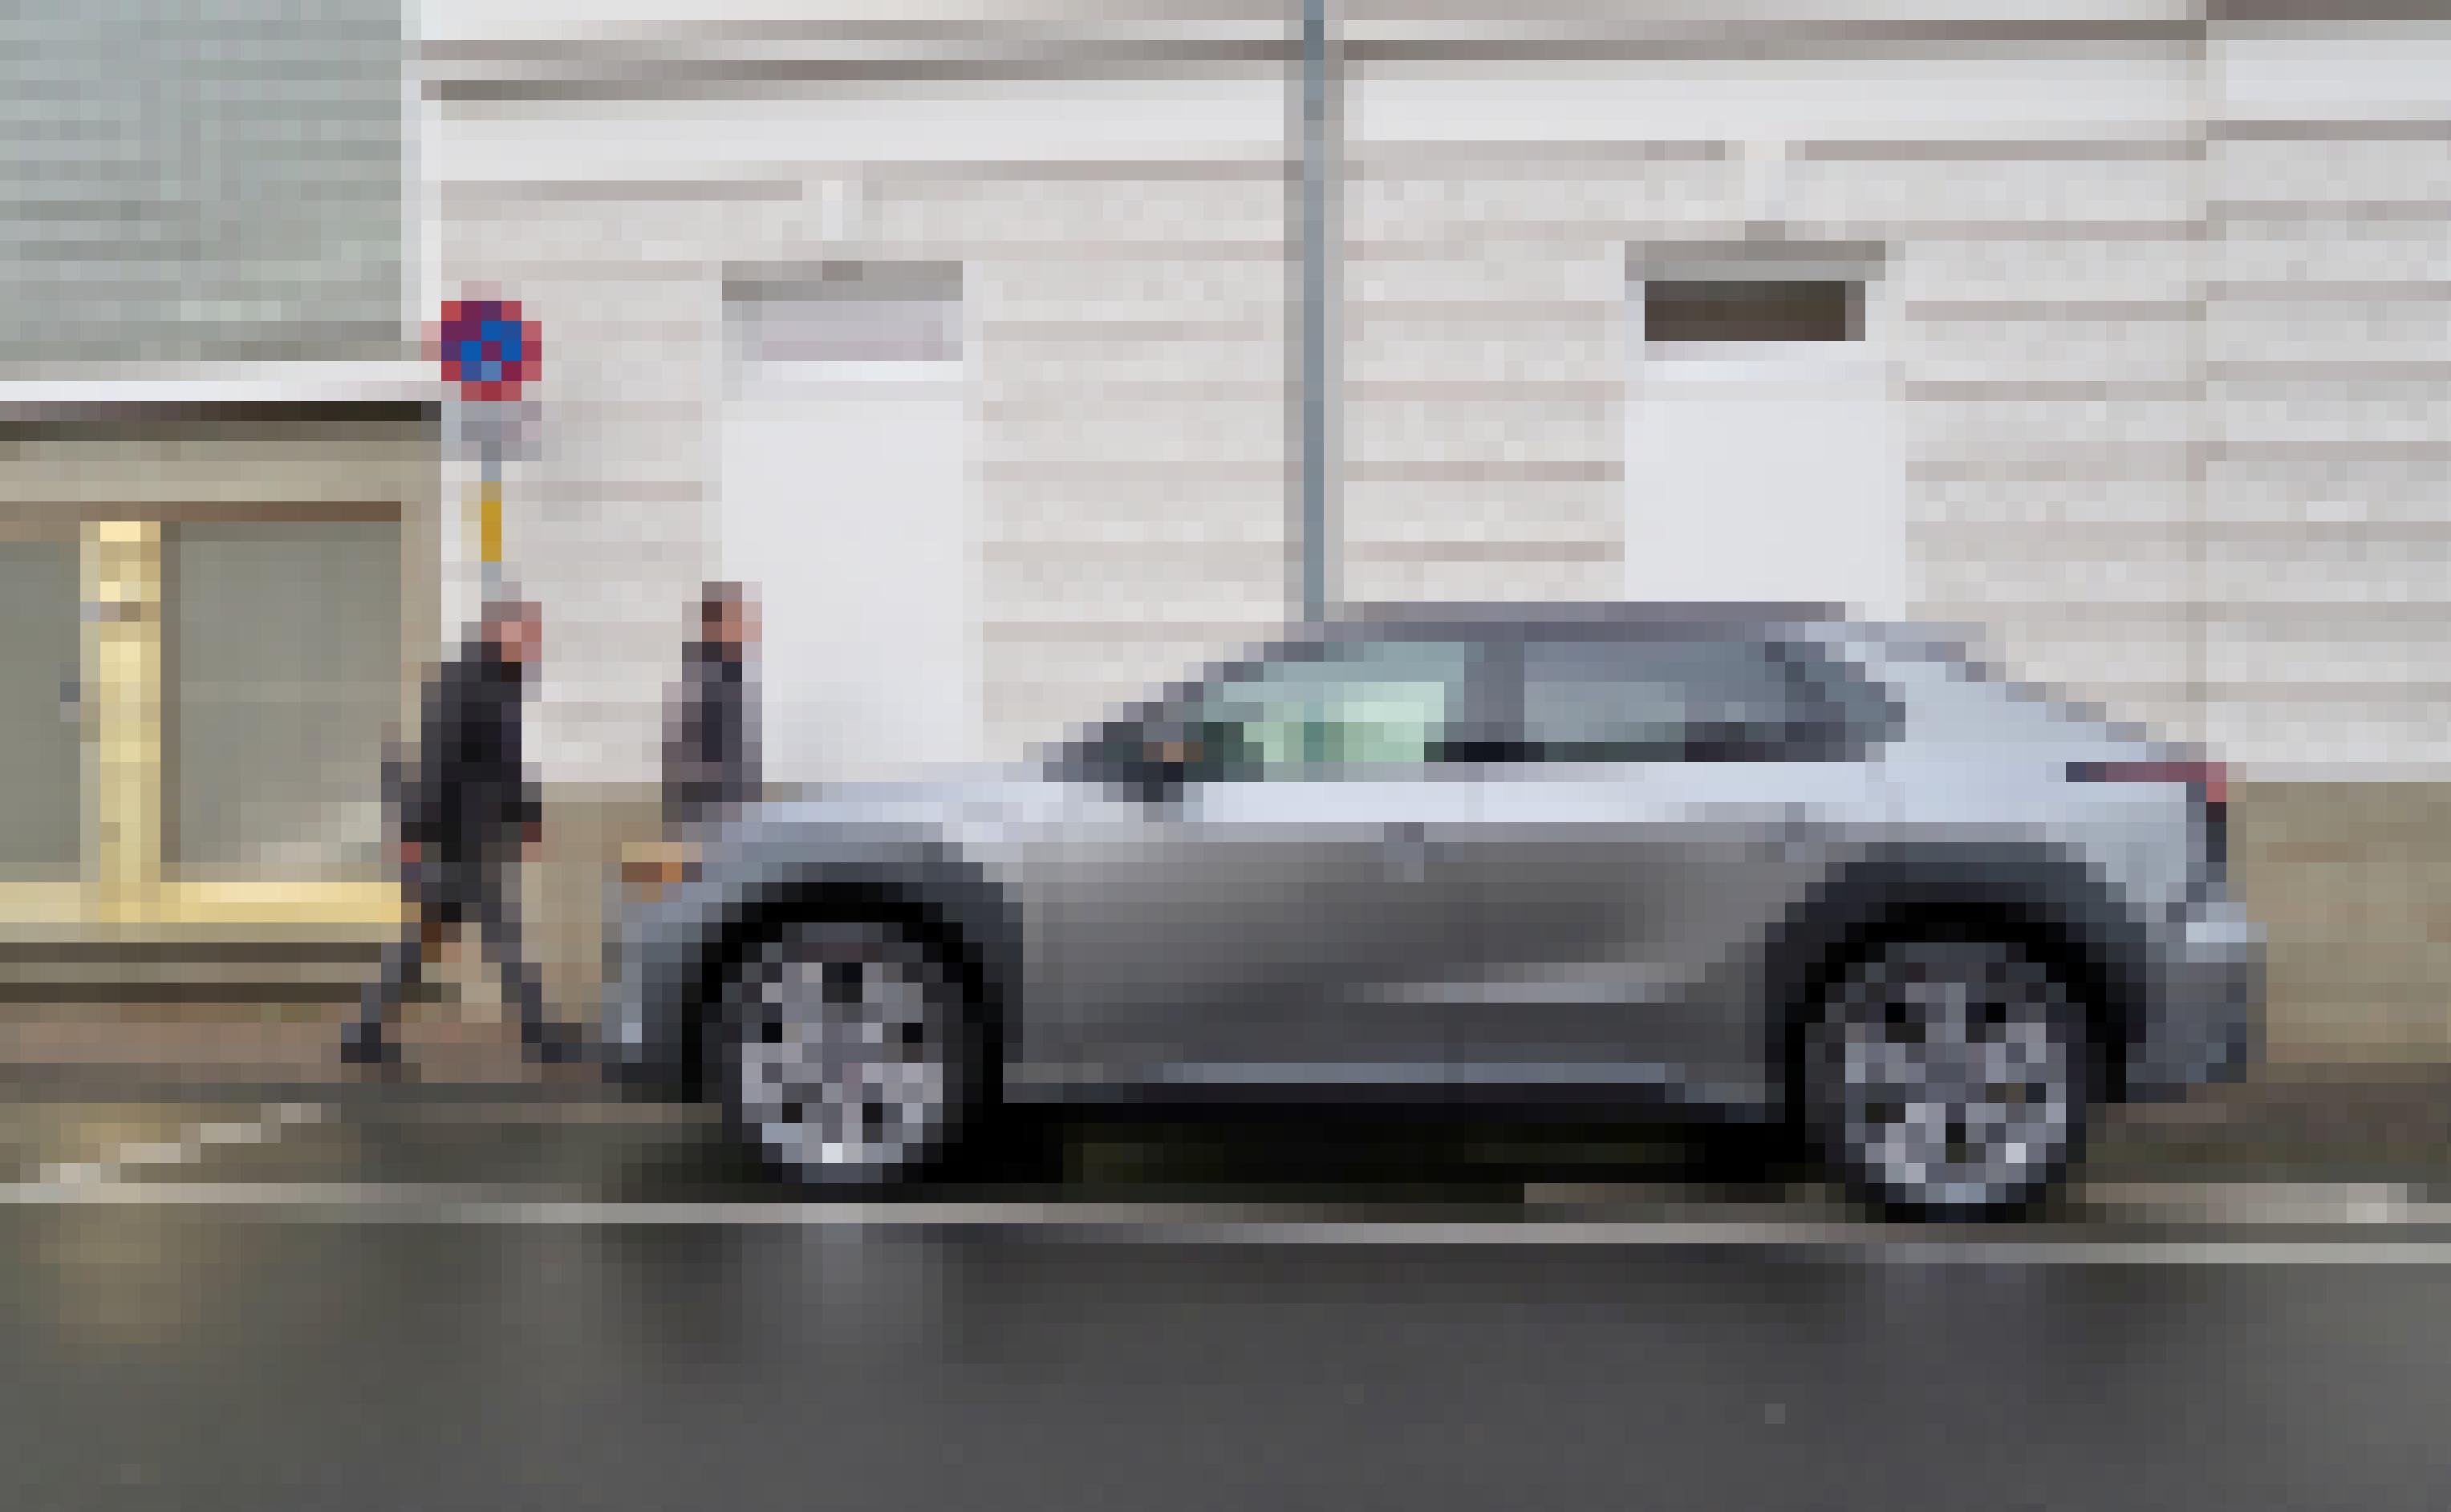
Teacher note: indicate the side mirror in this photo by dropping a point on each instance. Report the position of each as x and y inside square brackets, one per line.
[1163, 762]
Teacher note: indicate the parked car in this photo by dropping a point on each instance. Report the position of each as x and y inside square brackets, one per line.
[1828, 877]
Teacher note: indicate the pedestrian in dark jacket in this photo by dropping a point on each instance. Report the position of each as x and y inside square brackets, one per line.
[467, 811]
[710, 762]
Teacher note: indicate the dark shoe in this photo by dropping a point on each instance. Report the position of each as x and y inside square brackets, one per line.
[364, 1043]
[552, 1043]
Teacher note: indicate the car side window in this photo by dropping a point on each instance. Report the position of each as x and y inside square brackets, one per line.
[1373, 706]
[1666, 699]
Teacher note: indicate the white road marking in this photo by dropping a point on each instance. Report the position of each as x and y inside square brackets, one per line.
[2267, 1202]
[272, 1121]
[1222, 1225]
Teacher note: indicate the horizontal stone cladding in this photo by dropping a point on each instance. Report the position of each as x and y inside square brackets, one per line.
[1499, 278]
[1423, 207]
[2328, 491]
[2342, 171]
[2327, 338]
[1897, 191]
[1493, 431]
[2373, 733]
[1044, 367]
[1148, 209]
[1373, 576]
[2101, 662]
[2054, 274]
[1497, 346]
[2386, 565]
[2093, 418]
[2416, 656]
[1131, 331]
[2158, 573]
[2341, 250]
[2364, 350]
[1482, 357]
[1190, 511]
[2054, 313]
[1570, 519]
[2044, 326]
[1987, 345]
[1971, 516]
[1204, 583]
[1126, 334]
[1187, 433]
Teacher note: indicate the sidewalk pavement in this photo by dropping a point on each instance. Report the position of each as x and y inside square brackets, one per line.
[138, 1051]
[2363, 1123]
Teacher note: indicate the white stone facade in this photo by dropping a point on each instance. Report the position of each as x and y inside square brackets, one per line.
[2167, 305]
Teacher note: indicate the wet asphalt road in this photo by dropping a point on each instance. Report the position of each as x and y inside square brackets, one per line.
[664, 1347]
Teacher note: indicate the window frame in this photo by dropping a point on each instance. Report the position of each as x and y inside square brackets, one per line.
[1464, 738]
[1837, 713]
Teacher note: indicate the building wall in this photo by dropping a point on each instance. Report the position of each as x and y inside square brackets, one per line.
[2170, 342]
[2327, 488]
[200, 182]
[1125, 310]
[2327, 334]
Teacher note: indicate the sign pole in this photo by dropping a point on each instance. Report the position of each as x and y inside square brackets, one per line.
[489, 514]
[491, 351]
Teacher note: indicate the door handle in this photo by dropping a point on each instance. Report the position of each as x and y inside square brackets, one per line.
[1772, 827]
[1408, 847]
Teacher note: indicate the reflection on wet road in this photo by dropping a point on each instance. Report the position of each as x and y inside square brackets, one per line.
[171, 1358]
[387, 1307]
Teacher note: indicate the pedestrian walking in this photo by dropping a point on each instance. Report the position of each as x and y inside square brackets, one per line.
[466, 813]
[711, 764]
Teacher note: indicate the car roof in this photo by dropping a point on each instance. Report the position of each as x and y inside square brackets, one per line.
[1607, 618]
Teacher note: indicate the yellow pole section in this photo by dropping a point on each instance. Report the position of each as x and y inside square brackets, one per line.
[489, 522]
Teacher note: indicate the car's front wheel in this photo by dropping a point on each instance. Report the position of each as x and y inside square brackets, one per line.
[847, 1054]
[1946, 1077]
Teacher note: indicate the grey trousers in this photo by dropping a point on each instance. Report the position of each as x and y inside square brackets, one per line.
[447, 893]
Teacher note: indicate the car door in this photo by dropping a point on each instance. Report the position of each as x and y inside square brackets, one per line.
[1675, 794]
[1260, 917]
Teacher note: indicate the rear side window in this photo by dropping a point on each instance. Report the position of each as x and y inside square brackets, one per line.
[1678, 699]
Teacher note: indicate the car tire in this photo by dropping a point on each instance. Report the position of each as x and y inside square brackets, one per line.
[849, 1055]
[1947, 1076]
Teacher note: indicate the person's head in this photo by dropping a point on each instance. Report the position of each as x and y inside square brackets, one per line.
[726, 618]
[515, 629]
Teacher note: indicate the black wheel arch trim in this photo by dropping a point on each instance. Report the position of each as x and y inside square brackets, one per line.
[949, 900]
[2041, 897]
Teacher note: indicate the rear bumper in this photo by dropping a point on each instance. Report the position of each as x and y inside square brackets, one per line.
[2207, 1024]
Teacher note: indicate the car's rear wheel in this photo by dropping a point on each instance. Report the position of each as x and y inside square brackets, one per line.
[1948, 1077]
[848, 1054]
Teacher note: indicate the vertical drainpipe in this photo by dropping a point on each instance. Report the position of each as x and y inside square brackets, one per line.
[1321, 108]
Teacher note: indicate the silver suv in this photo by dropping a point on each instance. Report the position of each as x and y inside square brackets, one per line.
[1833, 878]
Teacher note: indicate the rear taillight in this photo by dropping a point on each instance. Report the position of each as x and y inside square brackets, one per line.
[2209, 779]
[2207, 782]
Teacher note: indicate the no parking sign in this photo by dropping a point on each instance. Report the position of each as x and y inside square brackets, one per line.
[491, 351]
[487, 348]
